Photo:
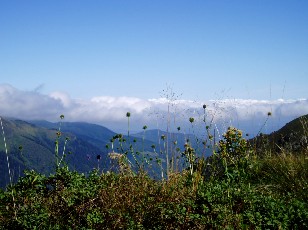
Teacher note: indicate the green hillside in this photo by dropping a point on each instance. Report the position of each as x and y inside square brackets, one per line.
[33, 147]
[97, 135]
[291, 137]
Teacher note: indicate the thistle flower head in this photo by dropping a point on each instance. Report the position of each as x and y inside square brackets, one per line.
[114, 155]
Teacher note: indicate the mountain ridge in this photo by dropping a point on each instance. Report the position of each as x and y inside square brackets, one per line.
[31, 144]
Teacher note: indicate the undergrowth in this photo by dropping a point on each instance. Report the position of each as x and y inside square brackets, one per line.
[235, 188]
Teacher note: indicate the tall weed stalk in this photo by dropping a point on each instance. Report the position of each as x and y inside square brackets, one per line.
[8, 166]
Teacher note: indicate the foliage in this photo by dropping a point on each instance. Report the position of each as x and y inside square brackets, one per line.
[235, 188]
[232, 159]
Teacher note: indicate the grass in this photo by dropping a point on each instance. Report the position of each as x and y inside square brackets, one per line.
[235, 188]
[285, 173]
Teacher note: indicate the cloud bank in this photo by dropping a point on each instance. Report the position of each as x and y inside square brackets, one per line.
[249, 115]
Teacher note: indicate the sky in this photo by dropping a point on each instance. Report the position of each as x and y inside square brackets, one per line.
[96, 60]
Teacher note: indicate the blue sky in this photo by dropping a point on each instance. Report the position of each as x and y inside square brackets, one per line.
[204, 50]
[251, 49]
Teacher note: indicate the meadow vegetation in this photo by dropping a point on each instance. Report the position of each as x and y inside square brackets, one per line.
[237, 187]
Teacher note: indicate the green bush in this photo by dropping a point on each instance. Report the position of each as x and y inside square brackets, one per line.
[233, 189]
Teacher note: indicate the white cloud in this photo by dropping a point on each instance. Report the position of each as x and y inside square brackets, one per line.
[111, 111]
[27, 104]
[63, 98]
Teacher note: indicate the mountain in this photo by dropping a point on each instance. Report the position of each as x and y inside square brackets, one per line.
[91, 144]
[32, 147]
[86, 142]
[99, 136]
[96, 135]
[292, 137]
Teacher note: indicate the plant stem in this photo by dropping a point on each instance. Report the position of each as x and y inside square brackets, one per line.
[8, 166]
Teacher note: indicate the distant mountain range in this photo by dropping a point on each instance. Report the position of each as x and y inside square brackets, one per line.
[31, 145]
